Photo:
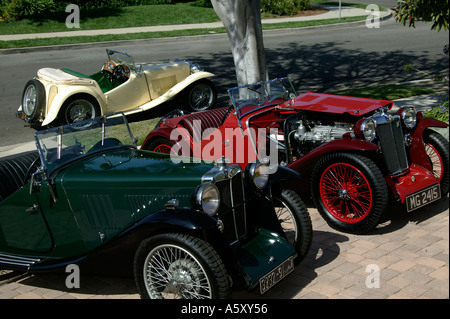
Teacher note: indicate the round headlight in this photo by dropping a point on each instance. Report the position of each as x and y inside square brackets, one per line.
[368, 129]
[208, 198]
[409, 116]
[259, 173]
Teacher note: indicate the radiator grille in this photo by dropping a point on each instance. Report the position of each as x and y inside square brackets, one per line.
[232, 210]
[392, 143]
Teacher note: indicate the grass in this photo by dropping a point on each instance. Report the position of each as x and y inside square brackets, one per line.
[109, 18]
[386, 92]
[134, 16]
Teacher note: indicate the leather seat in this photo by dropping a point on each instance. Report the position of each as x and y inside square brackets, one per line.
[200, 121]
[13, 170]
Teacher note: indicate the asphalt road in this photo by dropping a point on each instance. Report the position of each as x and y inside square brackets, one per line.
[317, 59]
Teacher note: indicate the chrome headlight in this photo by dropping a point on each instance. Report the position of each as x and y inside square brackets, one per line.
[409, 116]
[208, 198]
[195, 67]
[259, 174]
[368, 127]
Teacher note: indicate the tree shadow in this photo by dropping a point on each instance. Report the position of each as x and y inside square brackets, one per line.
[396, 216]
[327, 66]
[324, 250]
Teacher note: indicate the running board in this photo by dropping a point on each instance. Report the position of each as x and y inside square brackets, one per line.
[17, 262]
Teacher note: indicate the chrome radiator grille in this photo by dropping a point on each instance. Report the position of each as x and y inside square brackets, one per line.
[392, 142]
[232, 210]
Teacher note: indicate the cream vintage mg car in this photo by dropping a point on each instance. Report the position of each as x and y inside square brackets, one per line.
[61, 96]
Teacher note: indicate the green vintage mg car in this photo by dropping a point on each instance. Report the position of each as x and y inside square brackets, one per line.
[183, 229]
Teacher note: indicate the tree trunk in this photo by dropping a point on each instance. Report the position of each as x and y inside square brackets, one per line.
[242, 19]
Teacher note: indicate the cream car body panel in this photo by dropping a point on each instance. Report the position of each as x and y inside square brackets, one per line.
[145, 86]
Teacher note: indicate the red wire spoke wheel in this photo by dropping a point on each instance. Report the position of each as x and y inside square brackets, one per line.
[349, 191]
[346, 192]
[163, 148]
[437, 149]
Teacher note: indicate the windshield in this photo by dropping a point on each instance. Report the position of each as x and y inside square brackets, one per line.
[120, 58]
[60, 145]
[261, 93]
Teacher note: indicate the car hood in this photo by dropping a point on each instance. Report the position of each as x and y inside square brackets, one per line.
[338, 104]
[131, 171]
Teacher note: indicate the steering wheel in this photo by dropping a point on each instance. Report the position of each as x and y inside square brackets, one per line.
[109, 66]
[122, 73]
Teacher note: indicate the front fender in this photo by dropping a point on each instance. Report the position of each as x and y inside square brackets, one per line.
[181, 218]
[306, 163]
[418, 152]
[170, 94]
[62, 96]
[282, 177]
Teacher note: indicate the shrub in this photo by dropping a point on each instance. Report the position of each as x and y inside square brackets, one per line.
[23, 8]
[284, 7]
[89, 4]
[439, 112]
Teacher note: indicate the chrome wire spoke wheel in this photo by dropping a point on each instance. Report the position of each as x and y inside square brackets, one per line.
[29, 100]
[201, 97]
[80, 110]
[171, 272]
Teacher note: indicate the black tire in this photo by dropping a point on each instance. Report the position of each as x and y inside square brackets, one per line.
[200, 95]
[33, 100]
[78, 108]
[295, 221]
[437, 148]
[160, 145]
[188, 263]
[349, 191]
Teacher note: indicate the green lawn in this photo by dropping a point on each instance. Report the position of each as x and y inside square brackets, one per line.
[135, 16]
[386, 92]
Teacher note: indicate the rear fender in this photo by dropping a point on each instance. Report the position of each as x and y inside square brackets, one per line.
[62, 96]
[160, 132]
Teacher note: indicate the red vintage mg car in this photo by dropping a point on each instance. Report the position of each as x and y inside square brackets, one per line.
[354, 154]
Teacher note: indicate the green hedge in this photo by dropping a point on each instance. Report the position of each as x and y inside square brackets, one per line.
[284, 7]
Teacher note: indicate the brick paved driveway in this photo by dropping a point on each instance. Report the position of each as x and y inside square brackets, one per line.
[411, 252]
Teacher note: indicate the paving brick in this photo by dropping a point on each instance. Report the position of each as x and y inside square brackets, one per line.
[411, 251]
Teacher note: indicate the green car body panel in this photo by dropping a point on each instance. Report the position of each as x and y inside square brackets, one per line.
[97, 198]
[93, 203]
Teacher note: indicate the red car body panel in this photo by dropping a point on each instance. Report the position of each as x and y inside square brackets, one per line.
[267, 116]
[418, 178]
[330, 103]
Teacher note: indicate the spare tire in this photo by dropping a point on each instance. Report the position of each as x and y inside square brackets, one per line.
[33, 100]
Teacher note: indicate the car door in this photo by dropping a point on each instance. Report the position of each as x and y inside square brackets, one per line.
[129, 95]
[22, 224]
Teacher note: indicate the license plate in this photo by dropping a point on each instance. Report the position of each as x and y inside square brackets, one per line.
[423, 197]
[273, 277]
